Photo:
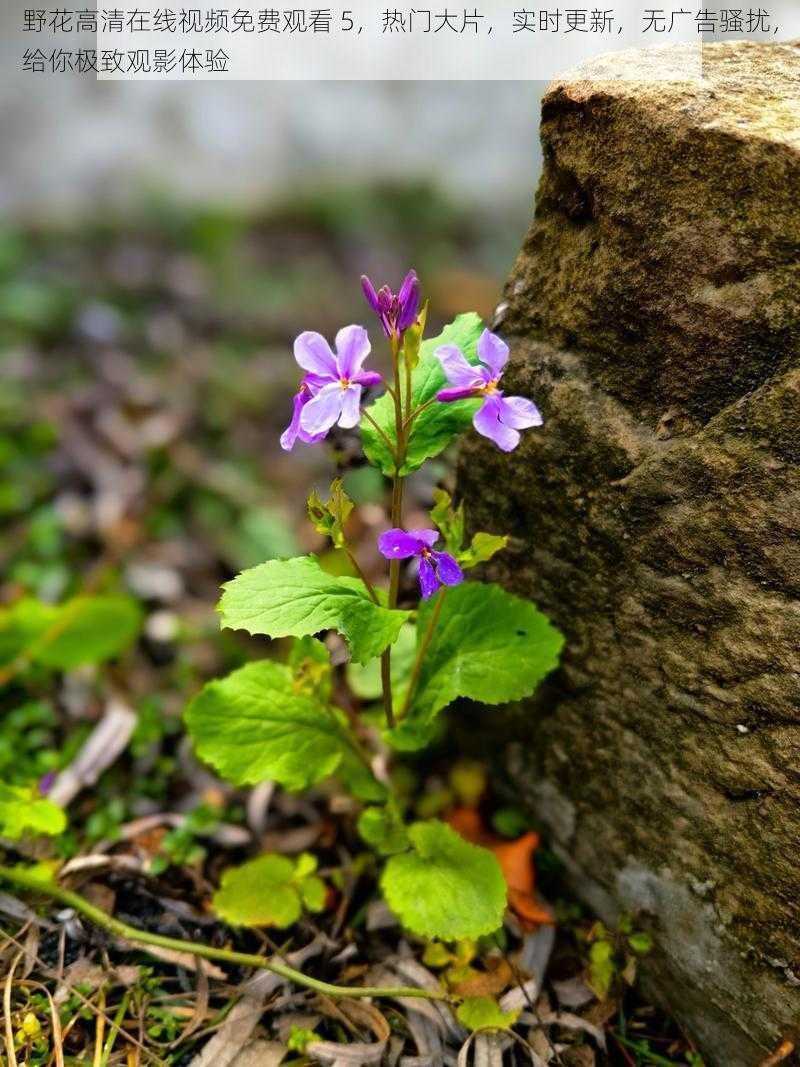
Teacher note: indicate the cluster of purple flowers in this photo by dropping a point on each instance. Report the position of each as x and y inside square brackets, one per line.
[330, 395]
[330, 392]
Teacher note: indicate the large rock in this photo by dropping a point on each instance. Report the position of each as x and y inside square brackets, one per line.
[654, 313]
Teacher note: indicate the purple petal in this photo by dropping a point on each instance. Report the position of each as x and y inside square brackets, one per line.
[519, 413]
[428, 538]
[447, 569]
[428, 582]
[289, 435]
[493, 352]
[397, 544]
[448, 395]
[322, 411]
[408, 301]
[352, 348]
[313, 353]
[457, 370]
[314, 382]
[486, 421]
[367, 378]
[369, 292]
[351, 407]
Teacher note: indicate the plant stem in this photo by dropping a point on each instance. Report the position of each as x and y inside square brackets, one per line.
[387, 440]
[421, 651]
[396, 521]
[417, 411]
[24, 879]
[357, 566]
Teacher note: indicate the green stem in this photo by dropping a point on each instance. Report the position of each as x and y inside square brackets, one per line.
[421, 651]
[25, 879]
[417, 411]
[386, 439]
[357, 566]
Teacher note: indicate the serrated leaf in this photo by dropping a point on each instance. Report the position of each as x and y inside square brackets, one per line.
[296, 598]
[82, 630]
[434, 428]
[383, 830]
[445, 887]
[483, 1013]
[488, 645]
[22, 810]
[254, 725]
[269, 891]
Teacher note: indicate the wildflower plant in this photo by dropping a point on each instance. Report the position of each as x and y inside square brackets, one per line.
[464, 639]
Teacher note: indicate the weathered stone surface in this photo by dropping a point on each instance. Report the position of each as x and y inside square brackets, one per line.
[654, 312]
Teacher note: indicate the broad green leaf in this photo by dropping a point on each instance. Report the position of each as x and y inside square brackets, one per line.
[22, 810]
[270, 890]
[254, 725]
[296, 598]
[88, 630]
[483, 1013]
[488, 645]
[365, 681]
[82, 630]
[383, 830]
[434, 428]
[445, 887]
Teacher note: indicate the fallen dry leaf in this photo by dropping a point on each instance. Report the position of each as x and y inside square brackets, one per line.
[516, 861]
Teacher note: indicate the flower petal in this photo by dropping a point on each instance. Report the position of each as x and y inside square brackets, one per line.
[447, 569]
[486, 421]
[428, 582]
[290, 434]
[322, 411]
[426, 537]
[408, 300]
[493, 352]
[519, 412]
[313, 353]
[457, 370]
[397, 544]
[448, 395]
[351, 407]
[370, 293]
[352, 348]
[367, 378]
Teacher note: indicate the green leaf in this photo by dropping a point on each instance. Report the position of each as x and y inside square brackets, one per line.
[483, 1013]
[310, 664]
[82, 630]
[435, 427]
[488, 645]
[602, 968]
[641, 943]
[365, 681]
[383, 830]
[269, 891]
[254, 725]
[329, 519]
[88, 630]
[484, 546]
[296, 598]
[300, 1038]
[23, 810]
[445, 887]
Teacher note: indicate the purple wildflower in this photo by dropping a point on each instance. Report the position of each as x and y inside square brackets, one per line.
[46, 783]
[396, 311]
[331, 389]
[435, 568]
[500, 418]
